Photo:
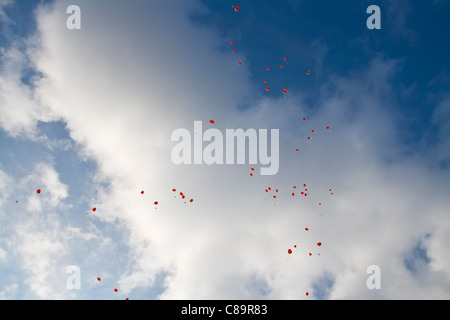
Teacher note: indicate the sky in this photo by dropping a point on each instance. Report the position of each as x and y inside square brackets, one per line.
[86, 122]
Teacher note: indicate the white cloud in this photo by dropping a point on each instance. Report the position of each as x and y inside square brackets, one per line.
[39, 248]
[38, 234]
[53, 191]
[8, 291]
[128, 78]
[5, 190]
[39, 240]
[19, 111]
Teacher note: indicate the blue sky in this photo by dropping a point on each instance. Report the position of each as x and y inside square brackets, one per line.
[332, 38]
[87, 115]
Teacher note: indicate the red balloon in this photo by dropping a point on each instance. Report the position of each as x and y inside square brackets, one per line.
[236, 8]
